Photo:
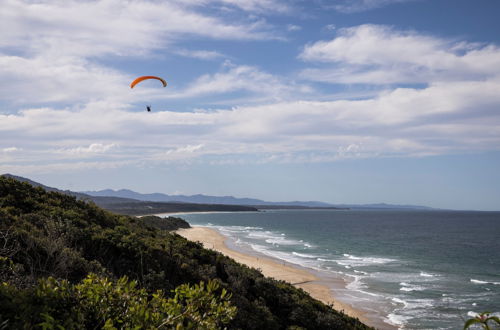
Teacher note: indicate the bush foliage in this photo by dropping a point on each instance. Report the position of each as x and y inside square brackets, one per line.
[97, 302]
[66, 262]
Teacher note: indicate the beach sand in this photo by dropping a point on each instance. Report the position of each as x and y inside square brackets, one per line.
[301, 278]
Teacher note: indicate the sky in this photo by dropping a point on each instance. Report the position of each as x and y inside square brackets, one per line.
[340, 101]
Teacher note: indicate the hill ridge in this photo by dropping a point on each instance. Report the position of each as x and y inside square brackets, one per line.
[50, 234]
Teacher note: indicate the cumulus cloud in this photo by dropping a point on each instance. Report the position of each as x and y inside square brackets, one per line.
[445, 117]
[375, 54]
[456, 109]
[45, 79]
[51, 51]
[97, 27]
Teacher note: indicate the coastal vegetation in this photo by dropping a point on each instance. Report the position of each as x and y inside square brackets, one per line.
[142, 207]
[67, 263]
[483, 320]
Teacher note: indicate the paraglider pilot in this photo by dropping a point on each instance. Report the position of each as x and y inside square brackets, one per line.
[138, 80]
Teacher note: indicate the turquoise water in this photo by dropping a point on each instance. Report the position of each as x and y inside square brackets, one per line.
[413, 269]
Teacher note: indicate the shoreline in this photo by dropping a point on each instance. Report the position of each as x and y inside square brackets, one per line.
[319, 288]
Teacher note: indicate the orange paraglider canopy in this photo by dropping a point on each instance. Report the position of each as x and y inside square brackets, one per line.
[138, 80]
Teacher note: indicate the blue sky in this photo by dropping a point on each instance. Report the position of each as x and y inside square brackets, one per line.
[349, 101]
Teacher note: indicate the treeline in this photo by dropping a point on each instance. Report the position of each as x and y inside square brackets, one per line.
[68, 263]
[141, 207]
[168, 223]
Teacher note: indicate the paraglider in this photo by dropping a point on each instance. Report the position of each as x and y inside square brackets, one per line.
[138, 80]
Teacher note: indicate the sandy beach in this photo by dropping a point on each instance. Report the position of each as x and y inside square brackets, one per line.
[299, 277]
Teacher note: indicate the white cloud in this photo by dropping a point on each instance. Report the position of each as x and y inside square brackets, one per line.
[353, 6]
[446, 117]
[244, 78]
[43, 79]
[330, 27]
[258, 6]
[187, 149]
[261, 6]
[200, 54]
[50, 50]
[181, 153]
[293, 27]
[10, 149]
[98, 27]
[374, 54]
[456, 111]
[93, 149]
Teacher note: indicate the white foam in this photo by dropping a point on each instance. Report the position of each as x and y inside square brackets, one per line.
[408, 287]
[352, 261]
[400, 301]
[286, 256]
[273, 238]
[472, 314]
[424, 274]
[241, 228]
[478, 281]
[325, 260]
[397, 320]
[356, 284]
[483, 282]
[262, 234]
[230, 230]
[304, 255]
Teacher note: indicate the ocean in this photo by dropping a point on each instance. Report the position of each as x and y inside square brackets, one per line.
[413, 269]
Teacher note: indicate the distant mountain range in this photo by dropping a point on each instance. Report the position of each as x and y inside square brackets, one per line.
[230, 200]
[131, 206]
[199, 198]
[131, 202]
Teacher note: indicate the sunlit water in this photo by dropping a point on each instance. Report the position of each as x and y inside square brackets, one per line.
[413, 269]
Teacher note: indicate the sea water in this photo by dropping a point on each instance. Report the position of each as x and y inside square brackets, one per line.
[412, 269]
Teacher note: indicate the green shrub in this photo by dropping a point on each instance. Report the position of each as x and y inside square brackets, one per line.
[97, 302]
[51, 235]
[482, 319]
